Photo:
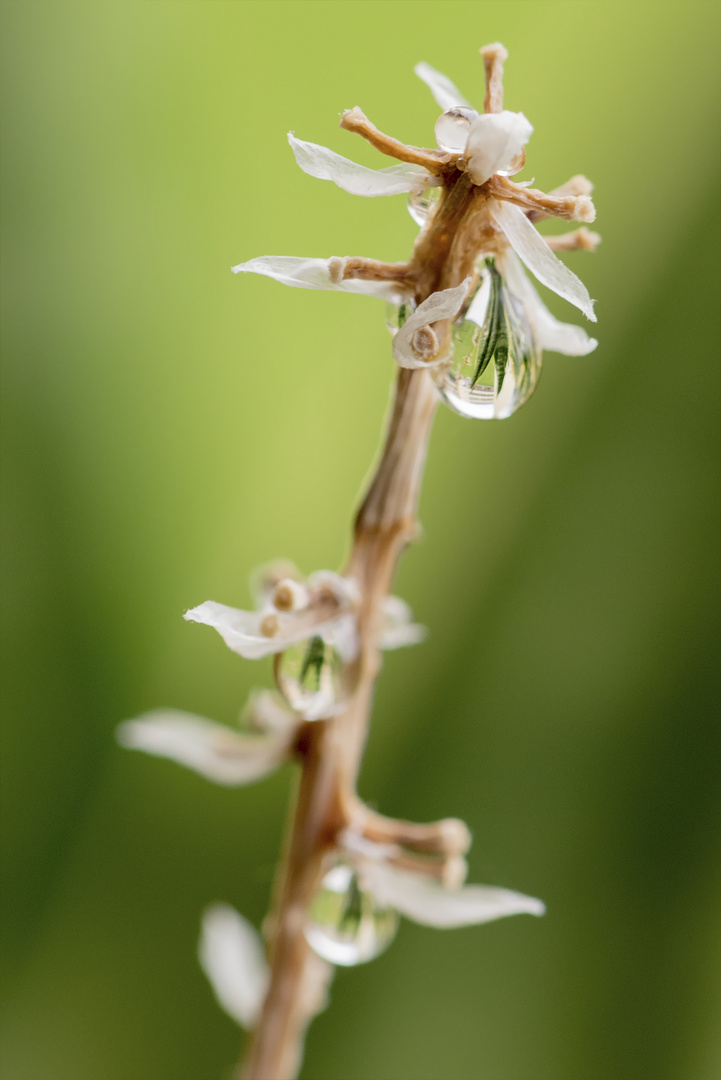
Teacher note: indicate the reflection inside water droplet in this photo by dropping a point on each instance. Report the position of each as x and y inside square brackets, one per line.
[309, 678]
[496, 361]
[452, 127]
[346, 924]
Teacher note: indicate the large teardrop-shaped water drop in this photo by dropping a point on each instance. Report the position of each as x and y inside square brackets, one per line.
[309, 676]
[346, 925]
[496, 360]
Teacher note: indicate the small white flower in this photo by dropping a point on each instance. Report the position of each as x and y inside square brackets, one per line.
[329, 612]
[215, 751]
[492, 142]
[426, 900]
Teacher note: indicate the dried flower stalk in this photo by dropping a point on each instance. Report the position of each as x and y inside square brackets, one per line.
[468, 330]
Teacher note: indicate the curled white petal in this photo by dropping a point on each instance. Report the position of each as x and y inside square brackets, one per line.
[550, 333]
[231, 954]
[439, 305]
[213, 750]
[325, 164]
[398, 627]
[446, 94]
[427, 902]
[240, 630]
[493, 141]
[304, 273]
[530, 246]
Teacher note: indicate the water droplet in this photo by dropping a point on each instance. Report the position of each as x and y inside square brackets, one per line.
[452, 127]
[396, 315]
[421, 204]
[347, 925]
[496, 361]
[309, 678]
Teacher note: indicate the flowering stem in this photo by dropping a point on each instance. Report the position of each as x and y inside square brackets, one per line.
[330, 751]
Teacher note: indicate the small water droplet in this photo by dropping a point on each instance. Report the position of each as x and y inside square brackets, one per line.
[309, 678]
[496, 361]
[396, 315]
[346, 924]
[421, 204]
[452, 127]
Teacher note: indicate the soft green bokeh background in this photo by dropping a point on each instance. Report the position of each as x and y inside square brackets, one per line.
[168, 426]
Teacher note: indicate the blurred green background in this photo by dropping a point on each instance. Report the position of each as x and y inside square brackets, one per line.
[167, 427]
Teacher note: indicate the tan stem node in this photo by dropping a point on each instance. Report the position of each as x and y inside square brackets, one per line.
[494, 56]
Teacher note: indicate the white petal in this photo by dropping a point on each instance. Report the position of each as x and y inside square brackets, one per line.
[398, 628]
[315, 274]
[325, 164]
[213, 750]
[439, 305]
[232, 956]
[446, 94]
[493, 141]
[429, 903]
[550, 333]
[528, 243]
[240, 630]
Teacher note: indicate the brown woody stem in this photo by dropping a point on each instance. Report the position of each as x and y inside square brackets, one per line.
[330, 750]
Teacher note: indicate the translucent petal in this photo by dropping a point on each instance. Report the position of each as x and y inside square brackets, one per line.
[325, 164]
[530, 246]
[213, 750]
[398, 627]
[446, 94]
[429, 903]
[439, 305]
[232, 956]
[240, 630]
[315, 274]
[551, 334]
[493, 141]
